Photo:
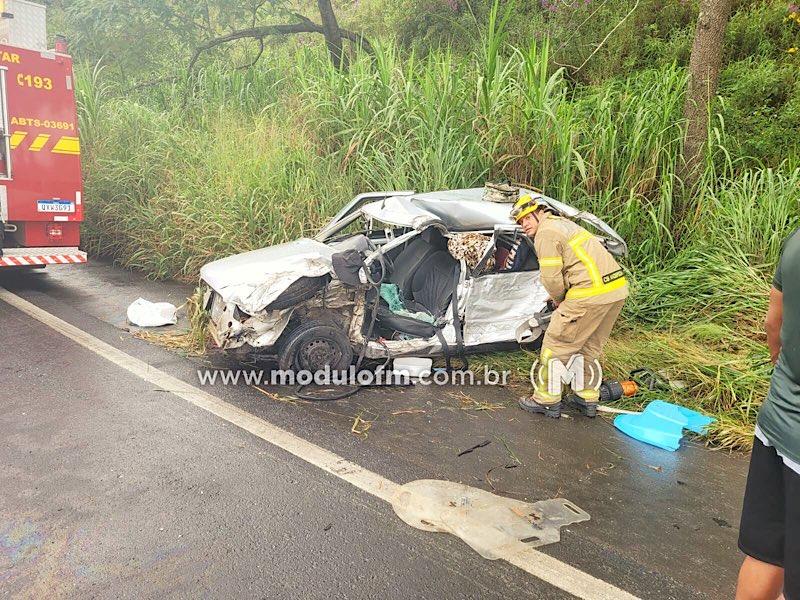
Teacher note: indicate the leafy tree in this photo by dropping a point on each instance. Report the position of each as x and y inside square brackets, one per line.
[157, 36]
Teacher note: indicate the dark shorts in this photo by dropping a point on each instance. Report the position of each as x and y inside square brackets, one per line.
[770, 528]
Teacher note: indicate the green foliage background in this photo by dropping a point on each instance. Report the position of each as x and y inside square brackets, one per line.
[183, 169]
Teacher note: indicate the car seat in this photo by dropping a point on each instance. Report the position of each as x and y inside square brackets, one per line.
[425, 275]
[432, 285]
[412, 257]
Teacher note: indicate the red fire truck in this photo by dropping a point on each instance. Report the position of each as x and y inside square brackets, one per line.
[41, 206]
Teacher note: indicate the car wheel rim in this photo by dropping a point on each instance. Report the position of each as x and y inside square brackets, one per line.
[315, 355]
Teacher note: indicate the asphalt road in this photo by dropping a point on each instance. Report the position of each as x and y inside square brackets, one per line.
[112, 487]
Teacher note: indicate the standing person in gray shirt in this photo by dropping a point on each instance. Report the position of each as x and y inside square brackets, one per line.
[770, 529]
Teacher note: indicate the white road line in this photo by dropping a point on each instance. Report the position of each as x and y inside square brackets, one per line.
[538, 564]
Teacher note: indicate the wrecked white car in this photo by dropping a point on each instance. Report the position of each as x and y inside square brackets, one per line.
[393, 274]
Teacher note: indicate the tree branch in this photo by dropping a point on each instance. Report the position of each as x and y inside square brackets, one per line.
[602, 43]
[253, 62]
[333, 33]
[259, 33]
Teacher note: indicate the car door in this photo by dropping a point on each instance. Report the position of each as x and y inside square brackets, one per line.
[496, 303]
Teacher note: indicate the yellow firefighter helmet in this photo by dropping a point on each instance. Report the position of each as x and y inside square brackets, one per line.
[524, 206]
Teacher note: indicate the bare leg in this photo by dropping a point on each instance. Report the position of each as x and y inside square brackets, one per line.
[759, 581]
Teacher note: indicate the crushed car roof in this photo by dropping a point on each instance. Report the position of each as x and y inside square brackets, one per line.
[456, 210]
[466, 210]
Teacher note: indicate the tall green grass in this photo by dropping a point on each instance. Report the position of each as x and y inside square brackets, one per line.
[180, 174]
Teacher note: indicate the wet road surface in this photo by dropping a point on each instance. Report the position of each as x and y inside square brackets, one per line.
[112, 488]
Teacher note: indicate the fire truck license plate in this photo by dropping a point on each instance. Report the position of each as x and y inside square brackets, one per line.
[55, 206]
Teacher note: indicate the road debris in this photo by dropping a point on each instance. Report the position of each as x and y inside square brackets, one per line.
[469, 403]
[144, 313]
[722, 522]
[491, 525]
[483, 444]
[600, 471]
[487, 478]
[191, 342]
[619, 456]
[274, 396]
[360, 426]
[510, 452]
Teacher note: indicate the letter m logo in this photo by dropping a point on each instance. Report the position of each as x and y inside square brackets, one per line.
[559, 374]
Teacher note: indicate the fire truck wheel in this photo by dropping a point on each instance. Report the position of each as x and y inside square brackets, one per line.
[314, 345]
[301, 290]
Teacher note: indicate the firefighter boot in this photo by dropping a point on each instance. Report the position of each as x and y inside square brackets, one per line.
[584, 402]
[549, 410]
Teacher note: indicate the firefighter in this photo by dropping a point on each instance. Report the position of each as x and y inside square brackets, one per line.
[588, 288]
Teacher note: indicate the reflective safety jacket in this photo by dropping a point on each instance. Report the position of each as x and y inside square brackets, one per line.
[575, 265]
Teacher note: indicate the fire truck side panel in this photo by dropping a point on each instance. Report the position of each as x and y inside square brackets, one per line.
[44, 193]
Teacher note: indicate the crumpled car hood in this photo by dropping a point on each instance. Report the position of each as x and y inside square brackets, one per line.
[254, 279]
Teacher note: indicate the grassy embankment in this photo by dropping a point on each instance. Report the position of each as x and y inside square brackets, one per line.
[254, 158]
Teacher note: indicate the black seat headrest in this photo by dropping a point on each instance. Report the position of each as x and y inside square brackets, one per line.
[432, 285]
[408, 261]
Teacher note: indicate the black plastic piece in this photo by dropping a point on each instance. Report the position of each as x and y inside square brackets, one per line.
[347, 265]
[610, 391]
[299, 291]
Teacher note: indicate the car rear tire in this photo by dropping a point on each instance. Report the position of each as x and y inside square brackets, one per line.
[299, 291]
[314, 345]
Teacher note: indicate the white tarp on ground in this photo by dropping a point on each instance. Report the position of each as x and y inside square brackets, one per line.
[144, 313]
